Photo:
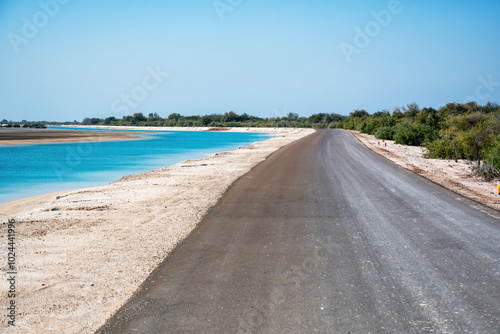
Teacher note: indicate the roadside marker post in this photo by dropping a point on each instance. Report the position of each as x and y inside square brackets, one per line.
[498, 188]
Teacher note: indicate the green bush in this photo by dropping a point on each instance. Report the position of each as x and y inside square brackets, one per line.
[368, 126]
[321, 126]
[408, 134]
[386, 132]
[430, 134]
[439, 149]
[414, 135]
[492, 156]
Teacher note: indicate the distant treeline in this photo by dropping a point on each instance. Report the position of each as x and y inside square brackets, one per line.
[456, 131]
[22, 124]
[229, 119]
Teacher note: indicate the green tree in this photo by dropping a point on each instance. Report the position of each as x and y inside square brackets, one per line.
[138, 118]
[386, 132]
[109, 120]
[360, 113]
[411, 110]
[91, 121]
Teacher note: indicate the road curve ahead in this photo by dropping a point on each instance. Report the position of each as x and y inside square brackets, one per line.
[326, 236]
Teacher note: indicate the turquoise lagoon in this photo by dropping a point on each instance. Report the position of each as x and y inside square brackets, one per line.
[29, 170]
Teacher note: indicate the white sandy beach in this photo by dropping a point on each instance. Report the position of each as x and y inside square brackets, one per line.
[175, 128]
[82, 253]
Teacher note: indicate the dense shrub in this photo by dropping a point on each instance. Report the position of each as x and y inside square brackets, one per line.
[492, 156]
[414, 135]
[439, 149]
[408, 134]
[369, 126]
[321, 126]
[386, 132]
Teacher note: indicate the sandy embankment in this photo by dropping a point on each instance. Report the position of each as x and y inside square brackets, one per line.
[81, 254]
[452, 175]
[22, 136]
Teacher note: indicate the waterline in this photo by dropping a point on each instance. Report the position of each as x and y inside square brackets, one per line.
[30, 170]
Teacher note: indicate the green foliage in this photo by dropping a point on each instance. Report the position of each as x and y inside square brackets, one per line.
[229, 119]
[414, 135]
[91, 121]
[138, 118]
[34, 125]
[471, 135]
[320, 126]
[386, 132]
[430, 117]
[455, 131]
[408, 134]
[440, 149]
[492, 154]
[368, 126]
[359, 113]
[411, 110]
[109, 121]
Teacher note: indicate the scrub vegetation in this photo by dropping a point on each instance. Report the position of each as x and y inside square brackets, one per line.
[456, 131]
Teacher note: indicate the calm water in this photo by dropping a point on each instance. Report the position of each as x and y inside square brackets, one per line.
[29, 170]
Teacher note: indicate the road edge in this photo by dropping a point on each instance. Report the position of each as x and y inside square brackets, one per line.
[102, 326]
[456, 189]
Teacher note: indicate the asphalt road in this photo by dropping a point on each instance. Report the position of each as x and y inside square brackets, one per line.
[326, 236]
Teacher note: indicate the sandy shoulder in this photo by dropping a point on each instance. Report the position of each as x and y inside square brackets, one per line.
[452, 175]
[81, 254]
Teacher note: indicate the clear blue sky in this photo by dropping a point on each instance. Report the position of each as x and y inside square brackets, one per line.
[65, 60]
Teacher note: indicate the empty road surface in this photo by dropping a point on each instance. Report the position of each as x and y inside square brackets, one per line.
[326, 236]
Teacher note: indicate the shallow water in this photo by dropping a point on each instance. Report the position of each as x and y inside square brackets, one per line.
[29, 170]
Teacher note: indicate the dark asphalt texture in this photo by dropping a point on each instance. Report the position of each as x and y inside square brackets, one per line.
[326, 236]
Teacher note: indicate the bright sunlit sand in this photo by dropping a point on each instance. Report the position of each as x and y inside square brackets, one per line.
[82, 253]
[155, 108]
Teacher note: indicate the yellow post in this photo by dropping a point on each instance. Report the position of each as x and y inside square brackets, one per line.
[498, 189]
